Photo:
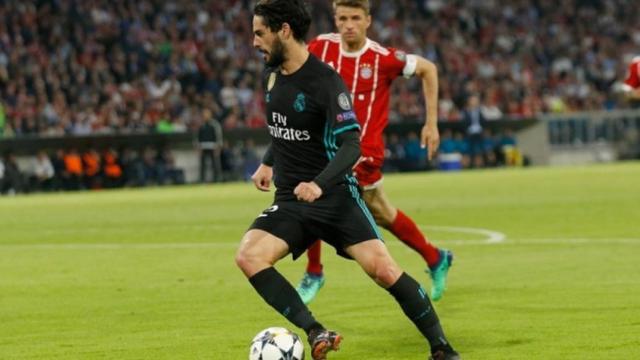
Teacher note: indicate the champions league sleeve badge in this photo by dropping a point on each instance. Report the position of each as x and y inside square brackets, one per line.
[343, 101]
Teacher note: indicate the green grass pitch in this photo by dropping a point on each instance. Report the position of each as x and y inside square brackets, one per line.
[149, 274]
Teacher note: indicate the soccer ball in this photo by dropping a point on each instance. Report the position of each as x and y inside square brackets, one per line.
[276, 343]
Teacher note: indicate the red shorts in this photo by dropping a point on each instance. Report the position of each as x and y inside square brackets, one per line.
[368, 171]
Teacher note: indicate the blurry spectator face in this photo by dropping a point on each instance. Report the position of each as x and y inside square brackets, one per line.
[352, 24]
[268, 42]
[474, 101]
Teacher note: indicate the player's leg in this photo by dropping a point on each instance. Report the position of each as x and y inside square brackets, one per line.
[399, 224]
[258, 252]
[277, 232]
[405, 229]
[313, 278]
[376, 261]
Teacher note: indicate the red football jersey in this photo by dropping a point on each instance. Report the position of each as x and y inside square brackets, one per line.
[368, 74]
[633, 76]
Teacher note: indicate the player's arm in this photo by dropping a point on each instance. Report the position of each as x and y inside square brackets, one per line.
[346, 131]
[428, 73]
[263, 175]
[348, 153]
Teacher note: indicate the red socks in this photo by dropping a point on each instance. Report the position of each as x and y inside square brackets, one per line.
[314, 266]
[407, 231]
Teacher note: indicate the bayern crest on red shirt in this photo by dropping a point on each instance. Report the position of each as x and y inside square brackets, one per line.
[365, 71]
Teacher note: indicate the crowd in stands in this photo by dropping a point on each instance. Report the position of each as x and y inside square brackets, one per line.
[72, 67]
[404, 153]
[89, 169]
[92, 169]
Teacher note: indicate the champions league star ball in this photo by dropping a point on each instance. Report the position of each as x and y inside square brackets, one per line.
[276, 343]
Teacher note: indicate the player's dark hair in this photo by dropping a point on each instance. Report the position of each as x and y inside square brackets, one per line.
[277, 12]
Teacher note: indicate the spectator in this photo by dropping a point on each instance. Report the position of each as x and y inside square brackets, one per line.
[73, 170]
[13, 177]
[449, 157]
[133, 168]
[167, 169]
[59, 170]
[462, 147]
[489, 148]
[43, 173]
[415, 155]
[447, 144]
[209, 147]
[112, 170]
[150, 170]
[474, 121]
[92, 165]
[511, 155]
[229, 162]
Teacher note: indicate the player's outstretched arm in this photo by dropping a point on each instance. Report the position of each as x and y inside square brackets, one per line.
[428, 73]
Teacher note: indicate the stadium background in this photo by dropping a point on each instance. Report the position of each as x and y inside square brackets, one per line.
[133, 79]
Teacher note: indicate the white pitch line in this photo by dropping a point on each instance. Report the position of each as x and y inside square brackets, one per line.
[119, 246]
[493, 237]
[534, 241]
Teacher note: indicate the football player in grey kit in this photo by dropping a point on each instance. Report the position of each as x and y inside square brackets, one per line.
[315, 143]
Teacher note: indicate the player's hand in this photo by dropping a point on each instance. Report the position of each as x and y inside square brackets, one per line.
[307, 191]
[262, 177]
[430, 138]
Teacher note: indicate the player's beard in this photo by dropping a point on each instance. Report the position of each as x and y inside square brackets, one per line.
[276, 57]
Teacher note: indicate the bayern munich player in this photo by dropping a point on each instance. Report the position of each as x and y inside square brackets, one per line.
[631, 85]
[368, 70]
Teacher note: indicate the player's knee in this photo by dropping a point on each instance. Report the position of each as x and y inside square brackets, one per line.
[242, 260]
[246, 259]
[387, 273]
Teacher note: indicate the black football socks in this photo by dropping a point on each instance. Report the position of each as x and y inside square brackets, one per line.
[416, 305]
[279, 293]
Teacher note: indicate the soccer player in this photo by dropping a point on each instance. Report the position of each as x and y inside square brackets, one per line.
[368, 69]
[631, 85]
[315, 143]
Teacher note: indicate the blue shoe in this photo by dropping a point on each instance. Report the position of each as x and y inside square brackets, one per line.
[439, 274]
[309, 287]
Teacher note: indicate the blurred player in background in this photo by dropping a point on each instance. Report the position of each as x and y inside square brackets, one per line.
[368, 70]
[631, 86]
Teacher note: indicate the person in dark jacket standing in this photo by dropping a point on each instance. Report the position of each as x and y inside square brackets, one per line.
[209, 146]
